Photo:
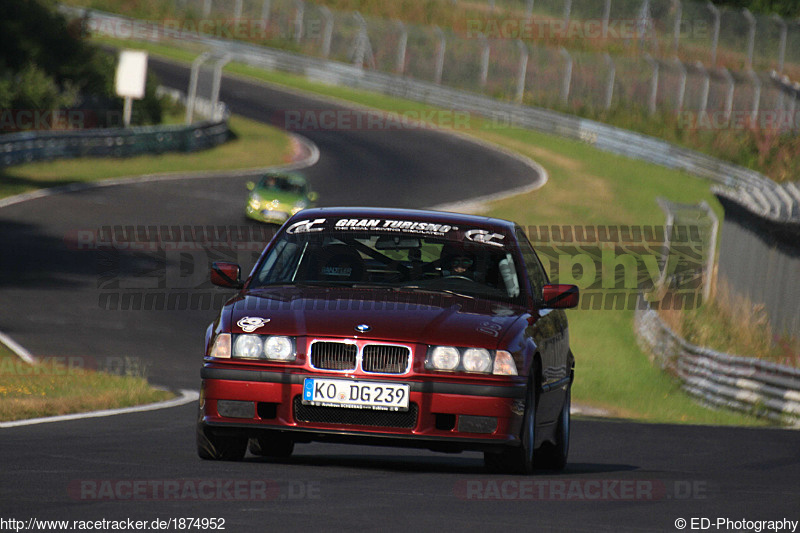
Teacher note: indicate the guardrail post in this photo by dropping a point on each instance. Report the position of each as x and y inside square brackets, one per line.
[217, 82]
[651, 100]
[676, 31]
[327, 31]
[485, 53]
[782, 44]
[751, 36]
[206, 8]
[756, 96]
[237, 9]
[400, 64]
[729, 92]
[528, 9]
[566, 83]
[606, 17]
[437, 75]
[192, 95]
[681, 84]
[712, 246]
[706, 89]
[266, 5]
[715, 39]
[567, 11]
[300, 8]
[522, 71]
[644, 23]
[610, 80]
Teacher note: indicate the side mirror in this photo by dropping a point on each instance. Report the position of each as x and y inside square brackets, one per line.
[250, 185]
[560, 296]
[226, 275]
[312, 196]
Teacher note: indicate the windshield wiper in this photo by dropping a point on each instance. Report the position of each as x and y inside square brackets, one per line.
[434, 290]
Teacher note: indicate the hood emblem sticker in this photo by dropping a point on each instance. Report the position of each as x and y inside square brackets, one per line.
[363, 328]
[251, 323]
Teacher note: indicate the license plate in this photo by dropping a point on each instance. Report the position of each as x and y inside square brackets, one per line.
[355, 394]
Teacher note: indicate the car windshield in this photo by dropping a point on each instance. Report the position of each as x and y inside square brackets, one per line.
[472, 262]
[281, 184]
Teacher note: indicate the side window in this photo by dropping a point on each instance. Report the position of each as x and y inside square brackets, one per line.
[532, 264]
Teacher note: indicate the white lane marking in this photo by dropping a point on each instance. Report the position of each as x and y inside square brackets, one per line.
[17, 348]
[187, 396]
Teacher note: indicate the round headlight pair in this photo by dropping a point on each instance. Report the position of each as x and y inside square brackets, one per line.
[449, 358]
[274, 348]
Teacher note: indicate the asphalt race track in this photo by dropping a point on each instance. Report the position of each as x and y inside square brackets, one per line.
[55, 301]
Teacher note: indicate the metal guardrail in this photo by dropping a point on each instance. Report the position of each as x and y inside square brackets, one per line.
[27, 147]
[742, 383]
[763, 196]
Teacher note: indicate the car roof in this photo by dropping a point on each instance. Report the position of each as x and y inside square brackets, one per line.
[425, 215]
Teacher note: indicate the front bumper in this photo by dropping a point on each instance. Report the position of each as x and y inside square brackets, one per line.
[270, 216]
[458, 415]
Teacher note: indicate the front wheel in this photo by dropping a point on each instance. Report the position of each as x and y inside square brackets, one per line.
[518, 459]
[554, 456]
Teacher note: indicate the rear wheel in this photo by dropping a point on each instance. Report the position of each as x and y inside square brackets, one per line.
[518, 459]
[220, 447]
[554, 456]
[273, 445]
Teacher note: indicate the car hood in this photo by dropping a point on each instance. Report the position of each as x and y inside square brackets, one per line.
[428, 318]
[283, 197]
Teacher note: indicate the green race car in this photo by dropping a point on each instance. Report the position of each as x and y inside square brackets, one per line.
[277, 196]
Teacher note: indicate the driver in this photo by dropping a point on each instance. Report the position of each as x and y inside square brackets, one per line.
[459, 265]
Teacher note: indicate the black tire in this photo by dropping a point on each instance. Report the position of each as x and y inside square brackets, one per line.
[554, 456]
[220, 447]
[274, 445]
[518, 459]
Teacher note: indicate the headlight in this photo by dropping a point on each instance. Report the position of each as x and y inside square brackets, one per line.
[248, 346]
[444, 358]
[504, 364]
[279, 349]
[255, 202]
[222, 346]
[477, 360]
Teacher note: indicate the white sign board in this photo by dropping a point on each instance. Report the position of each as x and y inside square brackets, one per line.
[131, 74]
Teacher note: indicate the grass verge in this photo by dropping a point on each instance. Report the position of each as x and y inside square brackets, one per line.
[587, 186]
[255, 145]
[63, 386]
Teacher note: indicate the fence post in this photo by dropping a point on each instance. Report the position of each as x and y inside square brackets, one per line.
[729, 93]
[528, 9]
[327, 31]
[782, 44]
[677, 29]
[606, 17]
[265, 9]
[192, 94]
[756, 96]
[485, 53]
[360, 44]
[206, 8]
[437, 75]
[400, 66]
[706, 88]
[644, 23]
[612, 74]
[567, 81]
[237, 9]
[522, 71]
[651, 100]
[681, 84]
[217, 82]
[751, 36]
[300, 8]
[714, 11]
[567, 11]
